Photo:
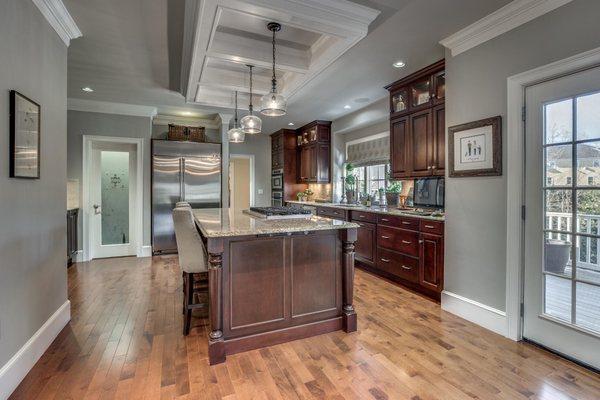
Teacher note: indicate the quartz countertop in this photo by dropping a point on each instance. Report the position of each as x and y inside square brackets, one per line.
[222, 222]
[376, 210]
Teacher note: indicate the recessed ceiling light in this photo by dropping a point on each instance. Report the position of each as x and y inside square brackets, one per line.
[347, 107]
[291, 124]
[87, 89]
[186, 113]
[399, 64]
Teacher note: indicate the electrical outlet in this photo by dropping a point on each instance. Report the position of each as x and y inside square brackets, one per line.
[260, 191]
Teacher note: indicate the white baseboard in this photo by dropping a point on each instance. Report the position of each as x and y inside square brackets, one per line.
[478, 313]
[13, 372]
[79, 256]
[146, 251]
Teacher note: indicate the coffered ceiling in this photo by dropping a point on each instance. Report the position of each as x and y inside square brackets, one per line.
[222, 36]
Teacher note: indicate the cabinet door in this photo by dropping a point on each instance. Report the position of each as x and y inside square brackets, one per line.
[420, 93]
[304, 164]
[399, 147]
[312, 163]
[439, 87]
[364, 247]
[421, 146]
[323, 156]
[431, 260]
[438, 162]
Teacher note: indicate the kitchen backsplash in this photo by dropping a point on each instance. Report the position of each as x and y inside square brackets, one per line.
[322, 191]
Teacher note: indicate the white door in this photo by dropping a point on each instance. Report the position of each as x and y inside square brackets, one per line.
[113, 197]
[562, 198]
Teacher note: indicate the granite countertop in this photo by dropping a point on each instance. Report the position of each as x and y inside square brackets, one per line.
[376, 210]
[220, 222]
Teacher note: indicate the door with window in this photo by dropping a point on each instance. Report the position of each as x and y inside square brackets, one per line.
[113, 197]
[562, 199]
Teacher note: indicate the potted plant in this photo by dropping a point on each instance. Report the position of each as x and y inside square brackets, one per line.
[392, 192]
[557, 255]
[309, 194]
[350, 184]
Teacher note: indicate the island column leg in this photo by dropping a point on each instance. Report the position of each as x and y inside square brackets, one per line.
[216, 344]
[348, 237]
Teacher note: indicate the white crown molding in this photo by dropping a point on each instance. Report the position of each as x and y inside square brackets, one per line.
[105, 107]
[59, 18]
[511, 16]
[162, 119]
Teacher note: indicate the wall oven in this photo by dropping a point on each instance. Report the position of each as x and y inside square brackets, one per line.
[277, 198]
[277, 179]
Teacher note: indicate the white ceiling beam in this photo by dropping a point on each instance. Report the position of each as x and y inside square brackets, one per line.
[106, 107]
[59, 18]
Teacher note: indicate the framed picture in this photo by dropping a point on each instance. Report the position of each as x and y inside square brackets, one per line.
[24, 137]
[476, 148]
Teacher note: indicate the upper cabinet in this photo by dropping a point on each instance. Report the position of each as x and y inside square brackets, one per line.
[314, 147]
[417, 123]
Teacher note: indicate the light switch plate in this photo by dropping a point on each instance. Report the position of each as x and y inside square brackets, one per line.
[260, 191]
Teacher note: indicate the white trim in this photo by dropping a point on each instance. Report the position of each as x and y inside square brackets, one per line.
[478, 313]
[252, 179]
[13, 372]
[515, 171]
[161, 119]
[146, 251]
[59, 18]
[509, 17]
[78, 256]
[88, 140]
[106, 107]
[366, 139]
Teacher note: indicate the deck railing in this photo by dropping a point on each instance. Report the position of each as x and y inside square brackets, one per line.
[588, 248]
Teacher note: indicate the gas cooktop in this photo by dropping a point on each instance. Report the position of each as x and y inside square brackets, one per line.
[279, 211]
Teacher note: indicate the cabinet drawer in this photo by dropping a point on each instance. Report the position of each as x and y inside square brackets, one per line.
[398, 222]
[363, 216]
[399, 240]
[398, 264]
[332, 213]
[435, 227]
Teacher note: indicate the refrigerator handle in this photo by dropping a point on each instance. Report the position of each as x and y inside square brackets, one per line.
[182, 179]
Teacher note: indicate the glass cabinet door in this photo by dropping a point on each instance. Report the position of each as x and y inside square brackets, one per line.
[420, 92]
[400, 101]
[439, 86]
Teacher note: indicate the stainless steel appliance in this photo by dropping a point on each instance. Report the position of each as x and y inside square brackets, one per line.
[277, 179]
[276, 198]
[429, 192]
[181, 171]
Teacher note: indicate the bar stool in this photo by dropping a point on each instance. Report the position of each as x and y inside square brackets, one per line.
[193, 262]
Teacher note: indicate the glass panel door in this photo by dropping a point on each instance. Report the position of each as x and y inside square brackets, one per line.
[115, 197]
[562, 238]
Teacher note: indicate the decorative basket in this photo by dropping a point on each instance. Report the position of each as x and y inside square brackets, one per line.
[186, 133]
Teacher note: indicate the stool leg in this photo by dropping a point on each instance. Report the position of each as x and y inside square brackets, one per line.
[184, 297]
[187, 318]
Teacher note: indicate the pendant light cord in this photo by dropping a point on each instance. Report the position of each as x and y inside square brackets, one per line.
[236, 107]
[250, 106]
[274, 80]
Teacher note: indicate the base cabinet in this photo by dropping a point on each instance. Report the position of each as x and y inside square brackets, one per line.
[364, 248]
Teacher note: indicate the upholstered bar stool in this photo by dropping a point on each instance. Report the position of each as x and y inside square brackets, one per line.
[182, 204]
[193, 263]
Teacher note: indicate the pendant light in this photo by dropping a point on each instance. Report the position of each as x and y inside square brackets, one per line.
[273, 104]
[235, 133]
[251, 124]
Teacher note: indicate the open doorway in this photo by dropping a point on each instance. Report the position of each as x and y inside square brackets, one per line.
[241, 181]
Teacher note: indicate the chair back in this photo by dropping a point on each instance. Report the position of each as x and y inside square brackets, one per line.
[192, 253]
[182, 204]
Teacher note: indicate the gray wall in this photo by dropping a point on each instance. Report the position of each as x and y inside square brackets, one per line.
[81, 123]
[475, 260]
[260, 147]
[33, 273]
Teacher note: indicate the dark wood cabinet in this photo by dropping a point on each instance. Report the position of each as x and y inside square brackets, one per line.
[417, 123]
[72, 217]
[314, 147]
[404, 249]
[285, 163]
[431, 256]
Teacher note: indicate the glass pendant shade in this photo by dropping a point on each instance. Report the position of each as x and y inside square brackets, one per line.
[236, 135]
[273, 105]
[251, 124]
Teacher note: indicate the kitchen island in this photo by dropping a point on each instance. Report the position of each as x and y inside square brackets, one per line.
[273, 281]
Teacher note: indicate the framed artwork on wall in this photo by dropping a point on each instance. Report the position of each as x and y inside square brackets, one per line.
[25, 122]
[476, 148]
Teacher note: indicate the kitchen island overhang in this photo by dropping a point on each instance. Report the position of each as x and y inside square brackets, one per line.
[275, 281]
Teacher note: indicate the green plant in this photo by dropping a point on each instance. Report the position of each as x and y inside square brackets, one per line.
[350, 177]
[393, 186]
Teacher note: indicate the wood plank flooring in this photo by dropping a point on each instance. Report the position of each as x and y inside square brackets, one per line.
[125, 342]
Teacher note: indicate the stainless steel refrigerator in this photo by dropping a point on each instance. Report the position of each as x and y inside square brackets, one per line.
[181, 171]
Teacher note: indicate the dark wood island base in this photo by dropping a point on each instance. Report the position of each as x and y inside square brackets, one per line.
[267, 289]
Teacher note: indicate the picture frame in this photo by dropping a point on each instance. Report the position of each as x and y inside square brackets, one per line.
[25, 136]
[475, 148]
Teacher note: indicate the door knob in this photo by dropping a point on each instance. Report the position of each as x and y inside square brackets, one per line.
[97, 209]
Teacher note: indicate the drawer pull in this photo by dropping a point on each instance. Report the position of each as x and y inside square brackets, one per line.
[385, 260]
[385, 220]
[429, 226]
[384, 237]
[405, 267]
[361, 216]
[406, 242]
[421, 241]
[405, 223]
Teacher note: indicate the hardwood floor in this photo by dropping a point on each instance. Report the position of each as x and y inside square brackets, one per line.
[125, 342]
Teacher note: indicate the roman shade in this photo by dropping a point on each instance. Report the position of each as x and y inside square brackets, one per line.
[372, 152]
